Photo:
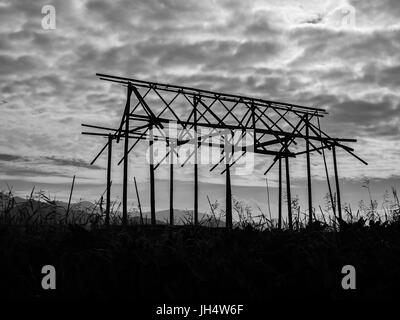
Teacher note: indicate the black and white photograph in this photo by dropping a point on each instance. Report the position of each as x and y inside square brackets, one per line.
[200, 158]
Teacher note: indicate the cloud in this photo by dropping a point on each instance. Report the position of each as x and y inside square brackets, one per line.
[372, 13]
[48, 77]
[40, 167]
[11, 65]
[72, 162]
[364, 112]
[10, 157]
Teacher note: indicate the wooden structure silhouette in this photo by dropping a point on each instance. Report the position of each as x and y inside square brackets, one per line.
[277, 129]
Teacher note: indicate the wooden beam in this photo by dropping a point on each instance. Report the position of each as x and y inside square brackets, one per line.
[171, 188]
[108, 200]
[70, 197]
[152, 189]
[228, 206]
[209, 94]
[280, 196]
[339, 205]
[125, 170]
[196, 173]
[289, 198]
[309, 187]
[138, 199]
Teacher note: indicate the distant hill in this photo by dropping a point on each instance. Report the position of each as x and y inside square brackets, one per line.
[83, 212]
[22, 210]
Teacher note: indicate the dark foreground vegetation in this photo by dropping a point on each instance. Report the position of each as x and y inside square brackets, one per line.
[192, 264]
[188, 264]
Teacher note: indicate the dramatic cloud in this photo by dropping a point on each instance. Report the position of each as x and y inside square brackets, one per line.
[341, 56]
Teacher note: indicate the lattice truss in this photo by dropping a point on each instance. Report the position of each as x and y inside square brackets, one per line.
[276, 128]
[234, 124]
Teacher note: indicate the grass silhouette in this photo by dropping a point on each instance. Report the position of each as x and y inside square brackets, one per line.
[255, 261]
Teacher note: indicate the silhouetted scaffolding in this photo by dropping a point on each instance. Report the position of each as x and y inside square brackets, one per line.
[276, 129]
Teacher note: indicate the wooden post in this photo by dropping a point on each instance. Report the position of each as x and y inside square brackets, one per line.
[253, 119]
[339, 205]
[228, 206]
[107, 220]
[280, 195]
[289, 198]
[310, 207]
[196, 195]
[138, 199]
[70, 197]
[329, 187]
[228, 188]
[171, 189]
[126, 147]
[152, 191]
[196, 173]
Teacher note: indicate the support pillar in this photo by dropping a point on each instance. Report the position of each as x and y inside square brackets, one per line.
[280, 195]
[139, 205]
[289, 197]
[171, 189]
[108, 200]
[196, 173]
[228, 206]
[196, 195]
[309, 187]
[126, 147]
[152, 191]
[339, 205]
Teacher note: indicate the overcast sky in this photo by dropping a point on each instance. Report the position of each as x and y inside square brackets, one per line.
[341, 56]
